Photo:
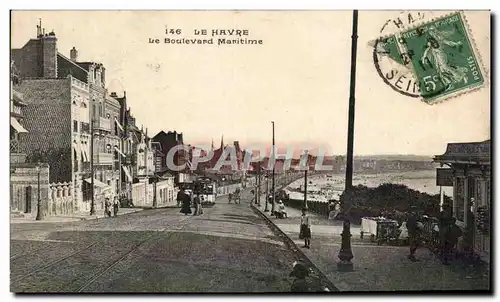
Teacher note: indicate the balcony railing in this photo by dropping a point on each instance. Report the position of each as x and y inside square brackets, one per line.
[103, 159]
[102, 124]
[14, 146]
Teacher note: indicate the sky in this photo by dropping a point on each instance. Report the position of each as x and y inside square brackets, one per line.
[298, 78]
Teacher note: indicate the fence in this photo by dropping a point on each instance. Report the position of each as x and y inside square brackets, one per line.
[60, 201]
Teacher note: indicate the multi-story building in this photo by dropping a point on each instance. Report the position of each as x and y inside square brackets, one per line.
[57, 92]
[71, 111]
[16, 116]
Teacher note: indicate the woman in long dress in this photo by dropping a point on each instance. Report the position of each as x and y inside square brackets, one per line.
[186, 204]
[438, 59]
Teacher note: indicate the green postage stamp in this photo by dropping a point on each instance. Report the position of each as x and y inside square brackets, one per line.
[441, 54]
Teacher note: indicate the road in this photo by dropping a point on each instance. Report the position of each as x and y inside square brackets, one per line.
[227, 249]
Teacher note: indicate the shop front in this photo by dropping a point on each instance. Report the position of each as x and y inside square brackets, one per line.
[470, 175]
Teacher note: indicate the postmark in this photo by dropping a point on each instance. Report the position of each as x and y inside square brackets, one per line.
[387, 60]
[441, 55]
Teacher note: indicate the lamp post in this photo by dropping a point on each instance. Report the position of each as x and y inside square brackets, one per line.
[267, 191]
[258, 185]
[345, 253]
[39, 202]
[305, 190]
[92, 203]
[273, 181]
[155, 202]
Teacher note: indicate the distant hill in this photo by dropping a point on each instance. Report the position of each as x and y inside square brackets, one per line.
[403, 157]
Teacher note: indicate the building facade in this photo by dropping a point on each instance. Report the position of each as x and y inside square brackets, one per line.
[470, 176]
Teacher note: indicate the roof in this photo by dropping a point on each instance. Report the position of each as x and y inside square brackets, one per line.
[474, 152]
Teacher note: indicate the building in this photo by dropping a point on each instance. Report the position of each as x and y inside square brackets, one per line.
[168, 141]
[70, 110]
[17, 106]
[159, 158]
[27, 180]
[470, 175]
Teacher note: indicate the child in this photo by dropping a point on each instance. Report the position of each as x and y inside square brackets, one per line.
[305, 229]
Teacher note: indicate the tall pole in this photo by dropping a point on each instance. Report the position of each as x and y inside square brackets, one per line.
[273, 182]
[267, 191]
[305, 190]
[92, 204]
[39, 202]
[155, 202]
[258, 187]
[345, 253]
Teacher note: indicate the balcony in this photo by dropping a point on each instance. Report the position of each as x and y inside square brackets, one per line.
[103, 159]
[102, 124]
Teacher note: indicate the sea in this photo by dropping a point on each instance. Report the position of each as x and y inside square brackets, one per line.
[330, 186]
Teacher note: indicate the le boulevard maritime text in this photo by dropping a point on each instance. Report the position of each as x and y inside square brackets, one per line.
[218, 36]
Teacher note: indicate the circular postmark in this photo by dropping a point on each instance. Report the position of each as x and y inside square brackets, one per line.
[396, 75]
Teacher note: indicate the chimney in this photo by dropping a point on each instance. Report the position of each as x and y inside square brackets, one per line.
[73, 54]
[49, 49]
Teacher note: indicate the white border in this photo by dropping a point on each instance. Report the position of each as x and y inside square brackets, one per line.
[200, 4]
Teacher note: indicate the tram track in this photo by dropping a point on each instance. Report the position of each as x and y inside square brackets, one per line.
[100, 272]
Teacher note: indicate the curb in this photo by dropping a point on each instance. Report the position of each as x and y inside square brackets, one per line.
[291, 245]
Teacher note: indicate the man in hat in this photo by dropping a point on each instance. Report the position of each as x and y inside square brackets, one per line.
[413, 232]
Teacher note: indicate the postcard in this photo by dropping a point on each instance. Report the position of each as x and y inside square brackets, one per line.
[250, 151]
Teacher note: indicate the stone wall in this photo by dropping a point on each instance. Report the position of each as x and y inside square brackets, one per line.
[24, 187]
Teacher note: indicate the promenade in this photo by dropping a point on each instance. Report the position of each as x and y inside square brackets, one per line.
[377, 268]
[229, 248]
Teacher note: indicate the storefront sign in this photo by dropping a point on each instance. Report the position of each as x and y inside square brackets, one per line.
[444, 177]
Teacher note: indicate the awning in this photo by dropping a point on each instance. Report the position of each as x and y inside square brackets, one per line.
[119, 151]
[118, 124]
[15, 124]
[84, 152]
[98, 184]
[76, 148]
[127, 172]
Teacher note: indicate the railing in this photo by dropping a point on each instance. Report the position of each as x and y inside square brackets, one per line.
[60, 199]
[102, 124]
[103, 159]
[14, 146]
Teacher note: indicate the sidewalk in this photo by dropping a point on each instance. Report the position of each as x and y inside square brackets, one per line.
[377, 268]
[30, 218]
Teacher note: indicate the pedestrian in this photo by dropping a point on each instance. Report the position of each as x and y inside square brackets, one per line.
[186, 203]
[445, 217]
[116, 205]
[305, 229]
[451, 239]
[107, 205]
[413, 233]
[197, 204]
[179, 198]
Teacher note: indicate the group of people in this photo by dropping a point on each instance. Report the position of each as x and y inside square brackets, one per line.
[449, 233]
[108, 204]
[186, 200]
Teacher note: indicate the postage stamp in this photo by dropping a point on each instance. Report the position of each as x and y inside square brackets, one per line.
[442, 56]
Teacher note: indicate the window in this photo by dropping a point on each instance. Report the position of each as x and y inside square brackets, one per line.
[75, 126]
[460, 196]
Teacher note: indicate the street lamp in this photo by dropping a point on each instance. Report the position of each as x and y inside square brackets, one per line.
[267, 191]
[92, 203]
[155, 203]
[273, 184]
[39, 202]
[345, 253]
